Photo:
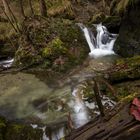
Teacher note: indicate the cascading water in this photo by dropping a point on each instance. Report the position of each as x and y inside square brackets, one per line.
[6, 63]
[80, 115]
[102, 44]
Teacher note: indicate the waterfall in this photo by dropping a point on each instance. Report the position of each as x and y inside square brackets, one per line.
[80, 116]
[102, 44]
[6, 63]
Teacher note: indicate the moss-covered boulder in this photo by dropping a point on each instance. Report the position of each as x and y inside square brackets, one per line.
[128, 42]
[16, 131]
[52, 43]
[125, 69]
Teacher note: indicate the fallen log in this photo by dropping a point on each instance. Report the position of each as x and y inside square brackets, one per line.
[118, 125]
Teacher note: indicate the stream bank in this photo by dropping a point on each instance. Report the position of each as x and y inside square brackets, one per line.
[38, 49]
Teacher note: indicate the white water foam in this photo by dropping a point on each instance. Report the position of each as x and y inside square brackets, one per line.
[80, 115]
[102, 44]
[7, 63]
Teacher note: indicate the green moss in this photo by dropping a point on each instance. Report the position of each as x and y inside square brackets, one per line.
[61, 8]
[8, 39]
[22, 132]
[49, 41]
[128, 68]
[98, 18]
[112, 20]
[24, 58]
[120, 6]
[2, 127]
[129, 98]
[123, 4]
[54, 48]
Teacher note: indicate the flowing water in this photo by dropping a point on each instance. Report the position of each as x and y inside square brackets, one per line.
[7, 63]
[102, 44]
[25, 97]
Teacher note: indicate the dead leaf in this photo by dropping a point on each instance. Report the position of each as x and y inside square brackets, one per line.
[135, 108]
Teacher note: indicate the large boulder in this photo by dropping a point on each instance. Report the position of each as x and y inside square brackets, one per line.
[54, 43]
[128, 42]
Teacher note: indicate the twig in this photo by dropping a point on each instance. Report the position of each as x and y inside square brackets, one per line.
[9, 20]
[98, 98]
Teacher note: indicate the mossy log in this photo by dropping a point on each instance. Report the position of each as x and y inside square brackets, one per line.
[117, 124]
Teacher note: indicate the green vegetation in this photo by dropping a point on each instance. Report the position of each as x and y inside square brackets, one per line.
[55, 43]
[119, 7]
[128, 68]
[22, 132]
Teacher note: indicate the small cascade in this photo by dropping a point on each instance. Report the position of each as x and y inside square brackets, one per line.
[80, 115]
[102, 44]
[6, 63]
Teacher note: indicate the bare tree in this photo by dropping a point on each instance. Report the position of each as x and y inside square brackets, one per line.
[7, 9]
[43, 8]
[31, 7]
[5, 6]
[22, 9]
[9, 19]
[9, 13]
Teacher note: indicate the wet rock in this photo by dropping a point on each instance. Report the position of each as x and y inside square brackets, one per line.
[128, 42]
[112, 23]
[41, 104]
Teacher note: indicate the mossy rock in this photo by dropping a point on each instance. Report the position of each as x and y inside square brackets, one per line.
[127, 43]
[125, 69]
[119, 7]
[51, 43]
[22, 132]
[2, 127]
[98, 18]
[112, 23]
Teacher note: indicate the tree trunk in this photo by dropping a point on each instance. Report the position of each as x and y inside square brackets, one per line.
[31, 7]
[43, 8]
[5, 6]
[9, 13]
[22, 9]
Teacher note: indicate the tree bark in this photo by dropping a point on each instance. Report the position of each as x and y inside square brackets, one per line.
[43, 8]
[22, 9]
[31, 7]
[98, 98]
[119, 124]
[5, 6]
[9, 13]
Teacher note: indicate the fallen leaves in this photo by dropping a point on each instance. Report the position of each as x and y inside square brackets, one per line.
[135, 108]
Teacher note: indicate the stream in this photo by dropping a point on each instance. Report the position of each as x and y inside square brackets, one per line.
[26, 97]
